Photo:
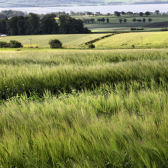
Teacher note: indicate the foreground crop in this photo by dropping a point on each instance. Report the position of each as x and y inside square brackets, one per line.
[81, 108]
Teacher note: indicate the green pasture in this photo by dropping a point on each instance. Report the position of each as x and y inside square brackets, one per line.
[115, 24]
[69, 41]
[138, 40]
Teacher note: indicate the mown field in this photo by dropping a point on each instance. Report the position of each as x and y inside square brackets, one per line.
[42, 41]
[137, 40]
[83, 108]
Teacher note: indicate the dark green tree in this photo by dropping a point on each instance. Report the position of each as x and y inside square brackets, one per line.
[125, 20]
[3, 26]
[147, 13]
[141, 14]
[144, 20]
[12, 26]
[49, 25]
[21, 25]
[33, 24]
[70, 25]
[55, 44]
[116, 13]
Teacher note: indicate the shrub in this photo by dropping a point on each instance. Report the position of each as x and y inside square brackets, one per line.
[55, 44]
[133, 29]
[91, 46]
[133, 46]
[15, 44]
[164, 29]
[4, 44]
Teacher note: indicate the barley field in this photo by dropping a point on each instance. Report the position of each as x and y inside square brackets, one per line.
[135, 40]
[83, 108]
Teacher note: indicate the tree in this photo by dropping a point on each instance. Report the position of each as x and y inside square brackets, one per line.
[4, 44]
[125, 20]
[147, 13]
[130, 13]
[157, 12]
[12, 26]
[21, 28]
[102, 20]
[134, 20]
[108, 20]
[144, 20]
[92, 20]
[15, 44]
[49, 25]
[55, 44]
[149, 20]
[141, 14]
[117, 13]
[123, 13]
[33, 24]
[120, 20]
[70, 25]
[3, 26]
[91, 46]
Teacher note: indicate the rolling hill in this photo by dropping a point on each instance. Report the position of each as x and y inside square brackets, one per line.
[34, 3]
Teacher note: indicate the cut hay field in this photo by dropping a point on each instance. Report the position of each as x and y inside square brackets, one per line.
[139, 40]
[83, 108]
[69, 41]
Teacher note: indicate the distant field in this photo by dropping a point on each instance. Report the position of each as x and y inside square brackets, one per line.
[114, 22]
[121, 29]
[139, 40]
[118, 41]
[69, 41]
[115, 19]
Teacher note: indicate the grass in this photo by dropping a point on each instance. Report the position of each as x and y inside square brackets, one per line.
[115, 25]
[83, 108]
[69, 41]
[139, 40]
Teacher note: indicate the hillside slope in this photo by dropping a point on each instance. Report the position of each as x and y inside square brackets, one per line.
[24, 3]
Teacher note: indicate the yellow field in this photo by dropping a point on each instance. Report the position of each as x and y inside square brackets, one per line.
[139, 40]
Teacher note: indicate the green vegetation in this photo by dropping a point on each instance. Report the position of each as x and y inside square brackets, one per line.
[139, 40]
[83, 108]
[11, 44]
[32, 24]
[55, 44]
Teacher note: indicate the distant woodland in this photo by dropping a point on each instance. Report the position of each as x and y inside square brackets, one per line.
[46, 24]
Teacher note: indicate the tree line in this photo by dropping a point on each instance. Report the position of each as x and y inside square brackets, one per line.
[34, 24]
[121, 20]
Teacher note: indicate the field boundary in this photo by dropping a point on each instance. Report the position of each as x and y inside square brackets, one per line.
[100, 38]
